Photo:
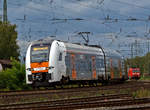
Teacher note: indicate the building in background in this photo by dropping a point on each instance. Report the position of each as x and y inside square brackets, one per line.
[5, 64]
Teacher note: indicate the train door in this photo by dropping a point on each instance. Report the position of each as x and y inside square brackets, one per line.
[111, 70]
[61, 65]
[115, 68]
[93, 68]
[83, 67]
[100, 66]
[73, 68]
[120, 68]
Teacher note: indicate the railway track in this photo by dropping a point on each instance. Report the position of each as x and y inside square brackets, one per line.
[59, 89]
[128, 83]
[64, 102]
[26, 96]
[80, 103]
[133, 107]
[24, 99]
[78, 89]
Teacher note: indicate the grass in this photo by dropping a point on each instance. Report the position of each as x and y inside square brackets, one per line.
[143, 93]
[145, 78]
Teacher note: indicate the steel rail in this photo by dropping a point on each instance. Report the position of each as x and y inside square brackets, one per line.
[47, 93]
[80, 103]
[68, 101]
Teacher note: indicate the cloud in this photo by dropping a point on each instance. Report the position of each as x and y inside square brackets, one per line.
[128, 7]
[39, 15]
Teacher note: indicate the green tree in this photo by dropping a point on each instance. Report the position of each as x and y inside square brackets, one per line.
[13, 78]
[8, 43]
[142, 62]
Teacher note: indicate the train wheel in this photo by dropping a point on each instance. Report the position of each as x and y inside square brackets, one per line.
[35, 87]
[65, 80]
[90, 84]
[123, 79]
[79, 84]
[54, 86]
[68, 79]
[96, 83]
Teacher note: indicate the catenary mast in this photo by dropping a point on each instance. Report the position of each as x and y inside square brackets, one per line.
[5, 11]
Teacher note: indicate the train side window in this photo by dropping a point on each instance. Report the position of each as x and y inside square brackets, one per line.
[60, 57]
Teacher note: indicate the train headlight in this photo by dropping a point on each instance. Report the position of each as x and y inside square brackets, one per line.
[29, 69]
[47, 68]
[51, 67]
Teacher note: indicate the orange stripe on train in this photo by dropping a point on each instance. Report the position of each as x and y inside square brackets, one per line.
[38, 65]
[74, 73]
[94, 67]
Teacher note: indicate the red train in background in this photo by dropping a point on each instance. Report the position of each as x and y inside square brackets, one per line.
[134, 73]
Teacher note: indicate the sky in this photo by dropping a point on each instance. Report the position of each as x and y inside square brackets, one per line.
[115, 24]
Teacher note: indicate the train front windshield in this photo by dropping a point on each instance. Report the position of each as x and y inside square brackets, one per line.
[39, 54]
[136, 71]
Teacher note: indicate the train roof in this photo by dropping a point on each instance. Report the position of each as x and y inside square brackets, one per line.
[83, 49]
[112, 53]
[93, 49]
[78, 47]
[42, 41]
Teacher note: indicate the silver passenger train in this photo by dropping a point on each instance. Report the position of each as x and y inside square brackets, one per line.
[51, 62]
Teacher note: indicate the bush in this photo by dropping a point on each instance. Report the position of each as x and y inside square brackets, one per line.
[13, 78]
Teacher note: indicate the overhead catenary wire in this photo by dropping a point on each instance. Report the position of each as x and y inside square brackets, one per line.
[93, 7]
[106, 20]
[126, 3]
[47, 11]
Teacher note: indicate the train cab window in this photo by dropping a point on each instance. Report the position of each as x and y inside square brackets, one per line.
[40, 53]
[60, 57]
